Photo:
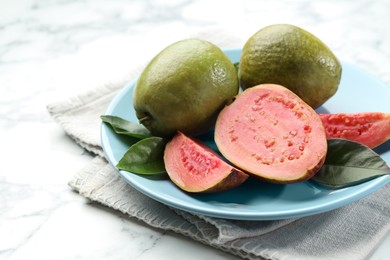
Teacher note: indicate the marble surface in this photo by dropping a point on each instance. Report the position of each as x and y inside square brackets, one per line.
[53, 49]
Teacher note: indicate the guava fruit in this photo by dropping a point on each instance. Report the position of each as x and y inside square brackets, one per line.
[294, 58]
[269, 132]
[369, 128]
[194, 167]
[184, 87]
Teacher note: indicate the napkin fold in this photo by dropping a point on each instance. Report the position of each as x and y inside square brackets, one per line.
[350, 232]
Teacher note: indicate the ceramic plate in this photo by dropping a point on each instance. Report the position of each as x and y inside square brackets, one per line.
[256, 200]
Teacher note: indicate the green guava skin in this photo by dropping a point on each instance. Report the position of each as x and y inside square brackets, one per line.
[184, 87]
[292, 57]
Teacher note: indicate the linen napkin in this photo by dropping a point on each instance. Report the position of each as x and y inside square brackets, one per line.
[350, 232]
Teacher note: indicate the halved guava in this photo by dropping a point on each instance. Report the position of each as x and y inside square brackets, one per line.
[368, 128]
[194, 167]
[270, 132]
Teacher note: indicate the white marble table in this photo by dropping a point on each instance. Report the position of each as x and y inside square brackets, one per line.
[50, 50]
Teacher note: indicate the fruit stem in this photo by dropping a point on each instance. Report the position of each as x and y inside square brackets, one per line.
[237, 66]
[144, 119]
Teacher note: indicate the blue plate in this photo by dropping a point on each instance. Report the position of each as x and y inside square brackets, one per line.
[256, 200]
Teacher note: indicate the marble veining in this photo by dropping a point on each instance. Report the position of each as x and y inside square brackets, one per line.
[53, 49]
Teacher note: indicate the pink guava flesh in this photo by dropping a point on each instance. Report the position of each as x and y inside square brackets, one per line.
[194, 167]
[368, 128]
[270, 132]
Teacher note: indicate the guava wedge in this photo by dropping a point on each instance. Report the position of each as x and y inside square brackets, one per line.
[369, 128]
[271, 133]
[194, 167]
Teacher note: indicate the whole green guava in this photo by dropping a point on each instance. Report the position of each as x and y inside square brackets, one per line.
[184, 88]
[290, 56]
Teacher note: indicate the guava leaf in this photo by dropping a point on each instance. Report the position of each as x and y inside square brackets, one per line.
[144, 157]
[124, 127]
[349, 163]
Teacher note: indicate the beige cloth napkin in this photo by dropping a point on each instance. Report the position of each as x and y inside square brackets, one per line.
[350, 232]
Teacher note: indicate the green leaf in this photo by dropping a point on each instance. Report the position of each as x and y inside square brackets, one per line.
[349, 163]
[144, 157]
[124, 127]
